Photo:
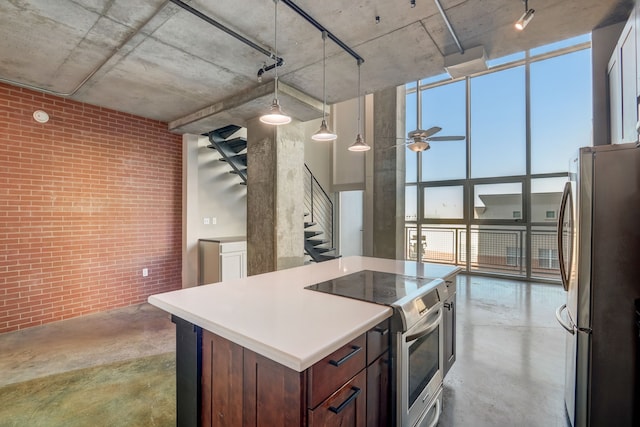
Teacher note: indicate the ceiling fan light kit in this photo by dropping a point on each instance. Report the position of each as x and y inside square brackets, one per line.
[418, 146]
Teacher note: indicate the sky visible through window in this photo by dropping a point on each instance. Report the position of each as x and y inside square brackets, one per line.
[560, 120]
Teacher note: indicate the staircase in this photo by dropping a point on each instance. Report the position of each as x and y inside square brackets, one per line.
[233, 151]
[318, 221]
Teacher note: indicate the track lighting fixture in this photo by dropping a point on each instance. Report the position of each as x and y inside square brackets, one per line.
[324, 133]
[526, 17]
[275, 116]
[359, 144]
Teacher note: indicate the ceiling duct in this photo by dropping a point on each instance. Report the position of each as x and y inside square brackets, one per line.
[470, 62]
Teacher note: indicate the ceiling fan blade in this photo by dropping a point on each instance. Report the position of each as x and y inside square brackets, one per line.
[424, 133]
[446, 138]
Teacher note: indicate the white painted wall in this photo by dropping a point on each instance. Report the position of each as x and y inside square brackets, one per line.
[350, 223]
[210, 191]
[220, 195]
[317, 155]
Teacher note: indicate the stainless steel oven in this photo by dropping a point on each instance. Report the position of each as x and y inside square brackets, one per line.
[419, 356]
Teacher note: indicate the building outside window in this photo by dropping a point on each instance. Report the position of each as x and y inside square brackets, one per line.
[489, 202]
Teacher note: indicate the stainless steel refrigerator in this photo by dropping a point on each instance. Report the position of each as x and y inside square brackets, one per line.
[599, 255]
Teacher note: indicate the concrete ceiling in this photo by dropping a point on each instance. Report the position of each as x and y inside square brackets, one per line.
[154, 59]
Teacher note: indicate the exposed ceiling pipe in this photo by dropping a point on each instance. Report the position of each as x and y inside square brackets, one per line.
[446, 21]
[227, 30]
[316, 24]
[94, 71]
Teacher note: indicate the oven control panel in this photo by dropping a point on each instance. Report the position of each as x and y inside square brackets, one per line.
[412, 308]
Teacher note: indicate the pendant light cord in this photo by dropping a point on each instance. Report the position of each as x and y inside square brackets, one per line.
[324, 75]
[275, 45]
[417, 104]
[359, 100]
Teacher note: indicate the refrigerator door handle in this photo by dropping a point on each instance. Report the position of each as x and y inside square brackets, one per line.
[570, 327]
[564, 271]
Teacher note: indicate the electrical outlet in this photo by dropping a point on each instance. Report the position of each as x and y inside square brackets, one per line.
[214, 220]
[145, 272]
[205, 221]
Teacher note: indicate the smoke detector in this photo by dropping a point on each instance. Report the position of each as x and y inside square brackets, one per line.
[40, 116]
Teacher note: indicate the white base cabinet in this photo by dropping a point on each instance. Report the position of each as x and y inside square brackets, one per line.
[222, 259]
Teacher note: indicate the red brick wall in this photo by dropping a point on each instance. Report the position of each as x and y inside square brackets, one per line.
[87, 201]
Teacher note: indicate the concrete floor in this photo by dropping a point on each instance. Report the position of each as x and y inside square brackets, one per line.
[96, 339]
[510, 351]
[510, 356]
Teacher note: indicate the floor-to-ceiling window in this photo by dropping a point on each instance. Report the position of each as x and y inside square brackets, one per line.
[489, 202]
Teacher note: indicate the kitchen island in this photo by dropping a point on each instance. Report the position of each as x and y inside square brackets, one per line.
[248, 350]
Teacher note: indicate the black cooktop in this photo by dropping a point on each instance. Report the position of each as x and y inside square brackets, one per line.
[372, 286]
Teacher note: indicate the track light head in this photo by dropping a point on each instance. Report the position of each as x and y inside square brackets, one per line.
[524, 20]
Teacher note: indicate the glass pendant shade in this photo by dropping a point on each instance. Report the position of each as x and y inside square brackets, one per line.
[359, 145]
[275, 116]
[324, 133]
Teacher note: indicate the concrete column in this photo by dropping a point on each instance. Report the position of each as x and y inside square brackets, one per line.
[388, 174]
[275, 196]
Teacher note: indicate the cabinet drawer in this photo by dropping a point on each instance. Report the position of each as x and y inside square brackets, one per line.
[378, 340]
[329, 374]
[347, 407]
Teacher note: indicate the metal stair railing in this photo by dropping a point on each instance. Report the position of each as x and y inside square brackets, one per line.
[318, 205]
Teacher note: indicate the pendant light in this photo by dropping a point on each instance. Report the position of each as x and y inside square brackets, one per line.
[324, 133]
[359, 144]
[275, 116]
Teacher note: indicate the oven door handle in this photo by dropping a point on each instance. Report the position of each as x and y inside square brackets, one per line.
[427, 329]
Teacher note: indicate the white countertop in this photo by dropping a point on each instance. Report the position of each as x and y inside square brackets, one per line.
[273, 315]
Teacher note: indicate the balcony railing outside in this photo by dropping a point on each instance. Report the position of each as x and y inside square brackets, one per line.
[499, 250]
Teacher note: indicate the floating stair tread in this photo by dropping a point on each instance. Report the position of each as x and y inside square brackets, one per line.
[223, 133]
[316, 242]
[308, 234]
[309, 224]
[323, 250]
[236, 144]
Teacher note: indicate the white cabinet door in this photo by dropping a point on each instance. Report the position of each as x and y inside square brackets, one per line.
[628, 80]
[233, 265]
[622, 74]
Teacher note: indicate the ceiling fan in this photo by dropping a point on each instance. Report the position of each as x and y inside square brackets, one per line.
[418, 140]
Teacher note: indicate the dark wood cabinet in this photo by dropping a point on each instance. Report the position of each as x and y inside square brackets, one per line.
[347, 407]
[378, 388]
[243, 388]
[329, 374]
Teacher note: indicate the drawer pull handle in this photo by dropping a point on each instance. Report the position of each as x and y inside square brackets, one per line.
[356, 392]
[355, 349]
[381, 331]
